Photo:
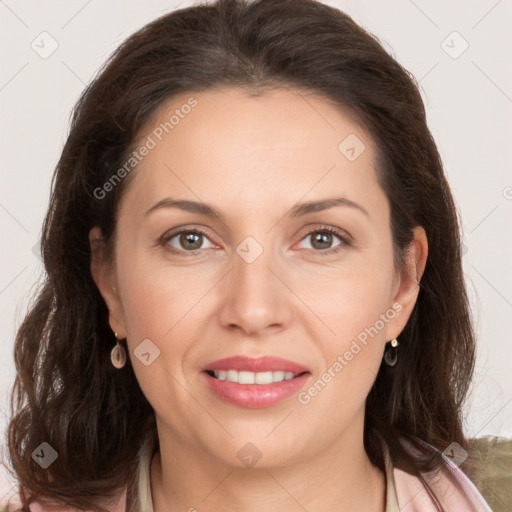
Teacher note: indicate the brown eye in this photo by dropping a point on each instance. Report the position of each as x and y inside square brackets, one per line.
[186, 241]
[191, 240]
[321, 240]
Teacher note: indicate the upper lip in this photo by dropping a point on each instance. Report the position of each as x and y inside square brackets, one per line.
[260, 364]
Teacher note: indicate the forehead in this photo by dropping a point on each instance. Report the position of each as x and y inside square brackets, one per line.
[234, 146]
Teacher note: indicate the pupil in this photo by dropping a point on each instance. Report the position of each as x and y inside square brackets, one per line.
[324, 238]
[191, 238]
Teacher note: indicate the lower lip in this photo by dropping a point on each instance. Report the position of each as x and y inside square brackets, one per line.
[255, 396]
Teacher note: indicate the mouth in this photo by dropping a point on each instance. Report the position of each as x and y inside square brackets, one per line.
[254, 383]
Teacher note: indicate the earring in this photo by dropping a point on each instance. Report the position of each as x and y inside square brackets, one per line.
[118, 355]
[391, 353]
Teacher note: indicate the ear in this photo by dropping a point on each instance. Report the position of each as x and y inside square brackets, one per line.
[408, 287]
[103, 273]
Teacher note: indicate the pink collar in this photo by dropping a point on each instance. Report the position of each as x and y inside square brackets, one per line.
[450, 486]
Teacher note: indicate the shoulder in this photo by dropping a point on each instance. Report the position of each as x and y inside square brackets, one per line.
[492, 458]
[10, 501]
[448, 485]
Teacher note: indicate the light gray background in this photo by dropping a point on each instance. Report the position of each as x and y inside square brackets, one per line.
[469, 106]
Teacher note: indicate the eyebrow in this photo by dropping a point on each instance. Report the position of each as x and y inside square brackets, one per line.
[298, 210]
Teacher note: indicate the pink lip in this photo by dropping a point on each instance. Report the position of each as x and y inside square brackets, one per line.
[261, 364]
[255, 396]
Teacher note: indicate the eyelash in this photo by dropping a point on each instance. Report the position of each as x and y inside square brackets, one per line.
[345, 239]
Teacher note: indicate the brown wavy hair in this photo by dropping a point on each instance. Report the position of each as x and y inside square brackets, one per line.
[66, 391]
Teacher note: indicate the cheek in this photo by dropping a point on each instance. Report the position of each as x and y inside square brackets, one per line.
[351, 350]
[161, 304]
[349, 299]
[355, 309]
[157, 295]
[146, 306]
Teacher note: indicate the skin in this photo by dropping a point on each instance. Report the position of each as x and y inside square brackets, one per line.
[254, 159]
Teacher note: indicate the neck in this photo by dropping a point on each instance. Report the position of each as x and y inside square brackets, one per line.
[342, 479]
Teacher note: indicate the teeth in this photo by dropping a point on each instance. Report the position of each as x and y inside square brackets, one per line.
[278, 376]
[231, 375]
[244, 377]
[263, 378]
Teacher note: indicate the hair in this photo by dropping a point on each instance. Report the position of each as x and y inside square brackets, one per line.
[66, 391]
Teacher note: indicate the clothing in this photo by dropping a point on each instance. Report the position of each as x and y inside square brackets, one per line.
[404, 492]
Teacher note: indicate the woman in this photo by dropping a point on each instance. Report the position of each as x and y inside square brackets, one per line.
[254, 296]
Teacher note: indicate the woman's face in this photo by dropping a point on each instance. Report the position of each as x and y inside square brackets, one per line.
[263, 279]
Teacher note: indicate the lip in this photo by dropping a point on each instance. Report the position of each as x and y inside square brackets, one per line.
[260, 364]
[255, 396]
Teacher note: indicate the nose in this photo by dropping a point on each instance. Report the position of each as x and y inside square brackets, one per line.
[255, 299]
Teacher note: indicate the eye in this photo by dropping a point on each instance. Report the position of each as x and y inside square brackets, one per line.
[322, 240]
[186, 240]
[191, 240]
